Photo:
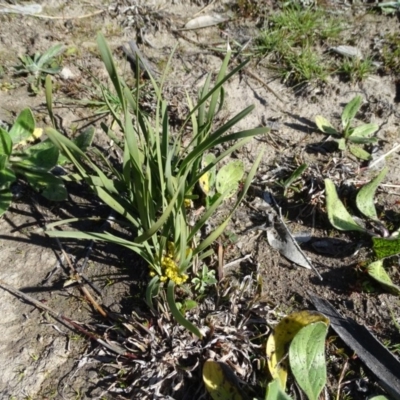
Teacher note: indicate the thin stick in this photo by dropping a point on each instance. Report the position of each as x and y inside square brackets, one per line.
[75, 273]
[67, 322]
[388, 185]
[239, 260]
[54, 17]
[396, 146]
[135, 55]
[341, 379]
[81, 287]
[203, 9]
[35, 302]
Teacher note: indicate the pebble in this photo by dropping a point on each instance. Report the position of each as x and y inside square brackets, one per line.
[66, 74]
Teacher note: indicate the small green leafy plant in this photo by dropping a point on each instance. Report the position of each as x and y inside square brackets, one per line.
[389, 7]
[32, 162]
[288, 184]
[384, 244]
[151, 188]
[21, 157]
[204, 278]
[349, 136]
[39, 65]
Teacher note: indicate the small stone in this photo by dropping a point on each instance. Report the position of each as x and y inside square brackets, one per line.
[66, 74]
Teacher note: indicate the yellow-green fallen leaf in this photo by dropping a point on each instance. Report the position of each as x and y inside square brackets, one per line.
[278, 341]
[221, 382]
[228, 178]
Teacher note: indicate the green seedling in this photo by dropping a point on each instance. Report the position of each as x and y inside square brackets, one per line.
[302, 66]
[39, 65]
[157, 176]
[21, 156]
[384, 245]
[349, 136]
[389, 7]
[288, 184]
[187, 305]
[203, 279]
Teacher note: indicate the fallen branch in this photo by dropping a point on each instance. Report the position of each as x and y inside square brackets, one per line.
[67, 322]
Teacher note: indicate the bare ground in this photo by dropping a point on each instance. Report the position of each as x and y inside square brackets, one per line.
[41, 359]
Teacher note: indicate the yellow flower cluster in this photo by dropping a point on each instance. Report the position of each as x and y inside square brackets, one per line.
[171, 271]
[188, 203]
[170, 267]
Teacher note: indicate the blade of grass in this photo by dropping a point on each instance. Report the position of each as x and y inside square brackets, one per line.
[108, 61]
[49, 99]
[177, 314]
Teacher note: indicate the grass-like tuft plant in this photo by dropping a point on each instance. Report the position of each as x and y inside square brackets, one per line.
[153, 185]
[288, 43]
[39, 65]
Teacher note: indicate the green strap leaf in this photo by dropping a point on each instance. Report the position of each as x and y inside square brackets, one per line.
[48, 56]
[177, 314]
[377, 272]
[359, 152]
[325, 126]
[338, 216]
[307, 358]
[152, 290]
[50, 186]
[364, 131]
[23, 127]
[108, 61]
[350, 111]
[296, 174]
[275, 392]
[5, 199]
[106, 237]
[5, 143]
[365, 197]
[341, 144]
[44, 157]
[7, 176]
[362, 140]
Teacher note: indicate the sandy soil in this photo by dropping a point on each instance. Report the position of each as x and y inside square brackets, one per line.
[40, 358]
